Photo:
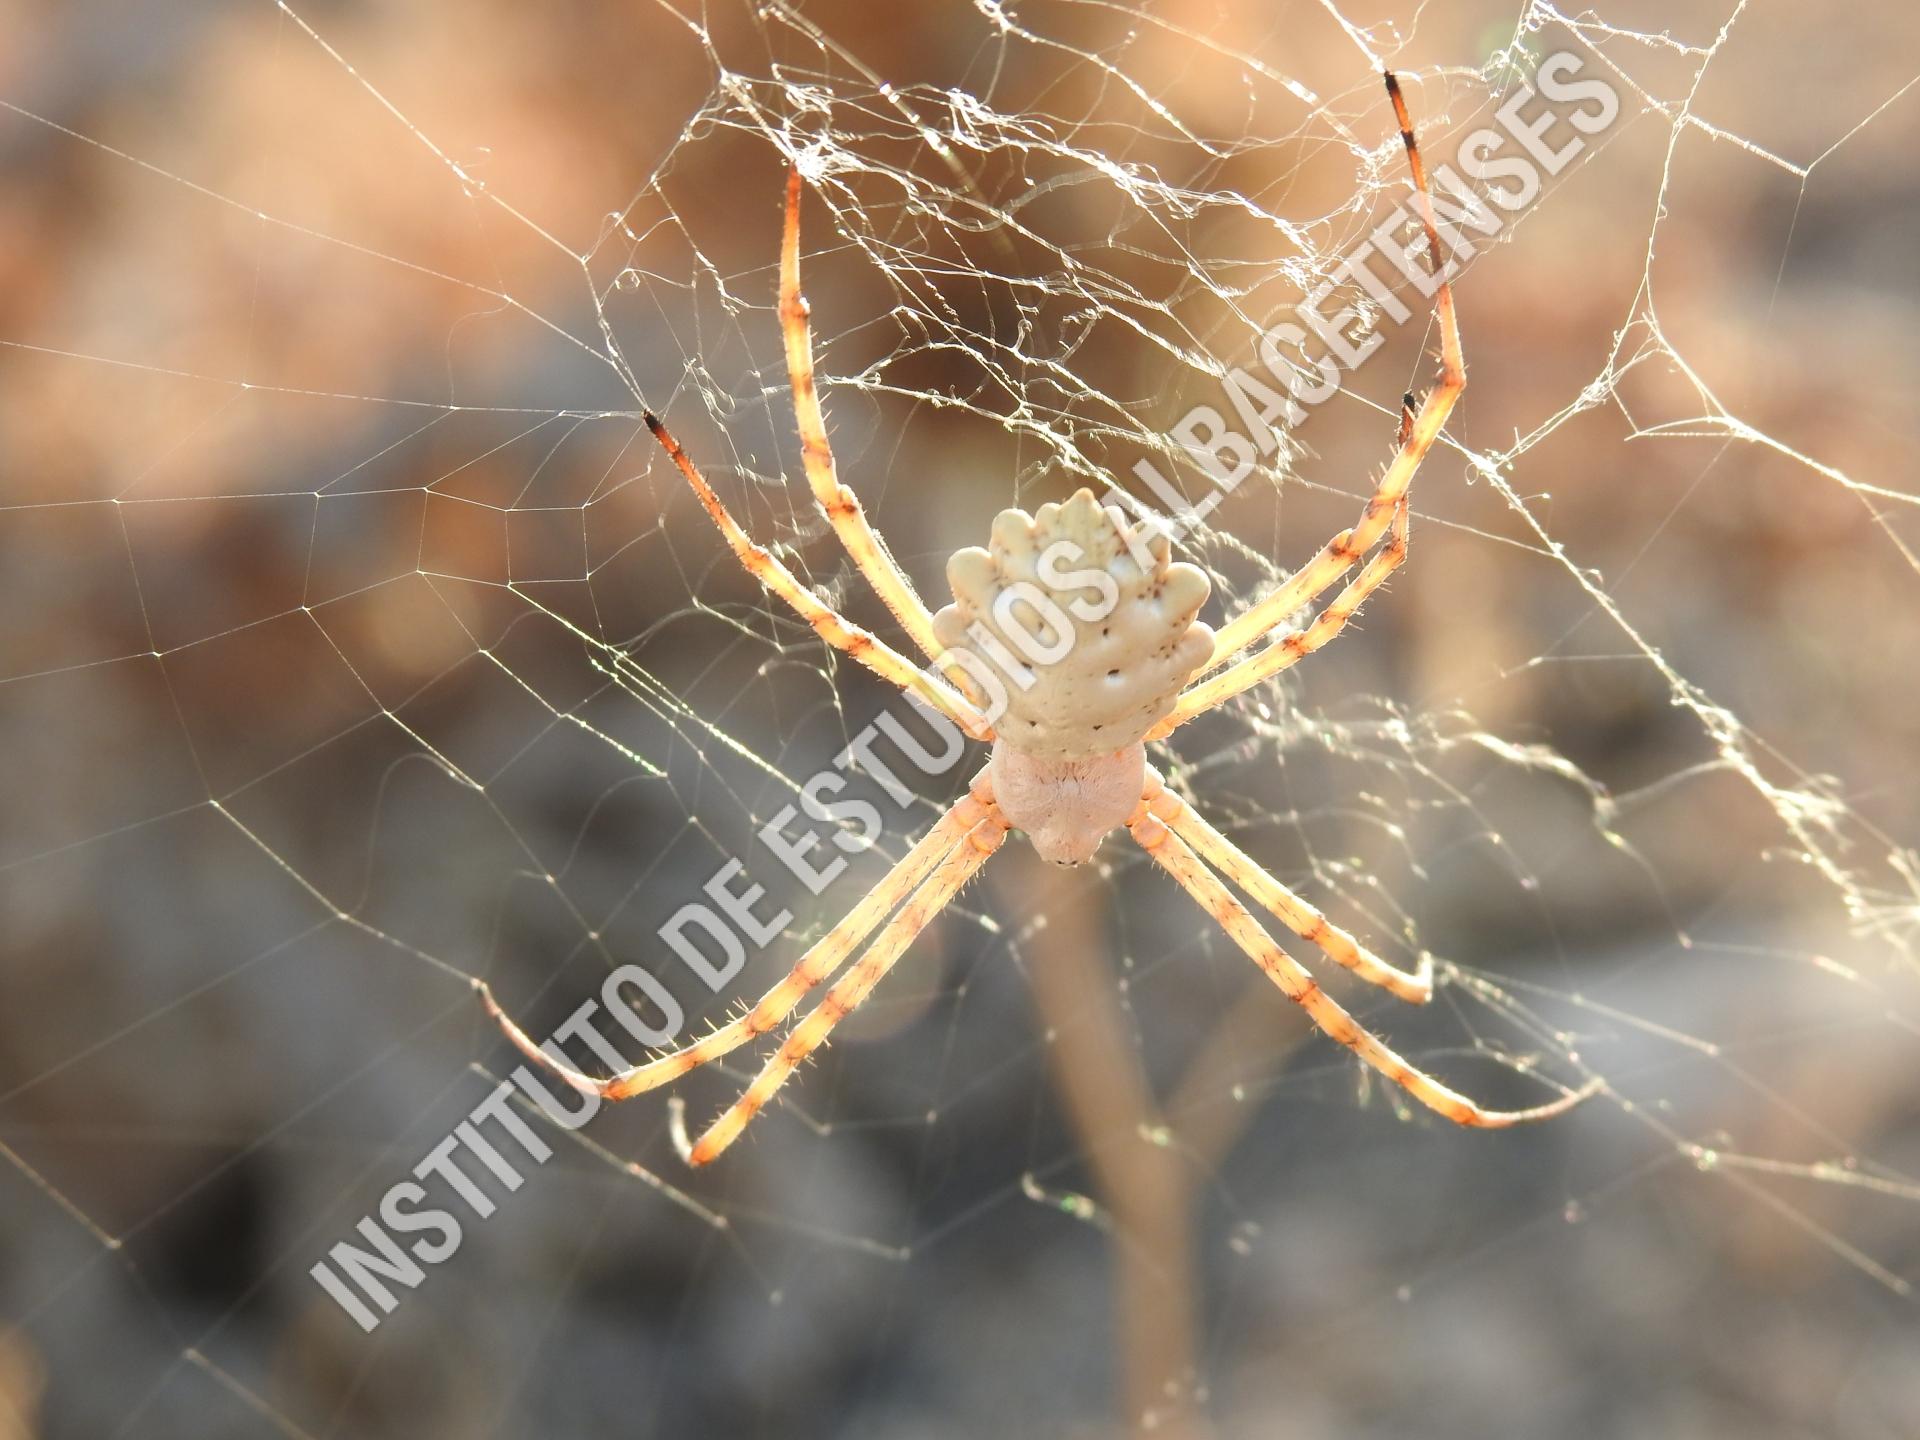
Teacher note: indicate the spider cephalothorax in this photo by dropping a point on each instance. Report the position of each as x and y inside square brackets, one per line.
[1093, 626]
[1094, 634]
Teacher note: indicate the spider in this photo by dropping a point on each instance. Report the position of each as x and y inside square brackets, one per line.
[1068, 764]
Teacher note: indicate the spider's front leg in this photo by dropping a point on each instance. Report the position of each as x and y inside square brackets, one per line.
[1414, 986]
[1152, 830]
[960, 866]
[822, 959]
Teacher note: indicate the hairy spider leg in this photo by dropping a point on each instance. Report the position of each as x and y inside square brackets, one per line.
[852, 988]
[833, 627]
[842, 506]
[1384, 509]
[1174, 856]
[822, 959]
[1303, 919]
[1296, 645]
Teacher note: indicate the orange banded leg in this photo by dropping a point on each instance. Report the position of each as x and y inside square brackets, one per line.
[1416, 439]
[1290, 650]
[1174, 856]
[851, 988]
[827, 955]
[842, 506]
[886, 662]
[1303, 919]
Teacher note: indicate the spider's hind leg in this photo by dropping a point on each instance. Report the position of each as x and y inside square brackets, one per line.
[1385, 509]
[833, 627]
[841, 505]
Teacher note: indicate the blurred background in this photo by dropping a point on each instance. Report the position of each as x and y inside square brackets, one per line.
[356, 645]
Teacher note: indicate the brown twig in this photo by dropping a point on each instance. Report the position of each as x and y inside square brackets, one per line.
[1148, 1161]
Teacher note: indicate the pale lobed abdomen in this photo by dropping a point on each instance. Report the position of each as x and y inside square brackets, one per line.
[1130, 609]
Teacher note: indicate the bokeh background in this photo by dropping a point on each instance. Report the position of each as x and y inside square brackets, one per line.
[353, 644]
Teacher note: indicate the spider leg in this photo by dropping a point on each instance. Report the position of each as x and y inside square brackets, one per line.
[1417, 435]
[1292, 648]
[1215, 849]
[851, 988]
[841, 505]
[1175, 857]
[886, 662]
[826, 955]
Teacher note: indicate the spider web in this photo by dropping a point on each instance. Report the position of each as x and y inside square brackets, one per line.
[361, 646]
